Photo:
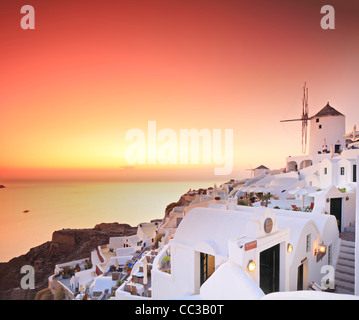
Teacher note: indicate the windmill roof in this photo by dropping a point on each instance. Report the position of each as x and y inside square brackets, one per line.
[262, 167]
[327, 111]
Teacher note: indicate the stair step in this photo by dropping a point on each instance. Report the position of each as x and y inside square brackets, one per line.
[350, 250]
[347, 263]
[346, 256]
[348, 243]
[344, 277]
[344, 284]
[345, 269]
[344, 290]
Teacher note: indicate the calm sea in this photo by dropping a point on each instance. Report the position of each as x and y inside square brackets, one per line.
[54, 206]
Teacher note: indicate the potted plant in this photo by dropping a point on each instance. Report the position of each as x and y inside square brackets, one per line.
[166, 262]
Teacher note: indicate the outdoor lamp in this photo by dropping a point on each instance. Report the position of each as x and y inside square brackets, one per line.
[322, 248]
[289, 248]
[251, 265]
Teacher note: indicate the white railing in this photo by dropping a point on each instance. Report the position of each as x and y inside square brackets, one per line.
[157, 263]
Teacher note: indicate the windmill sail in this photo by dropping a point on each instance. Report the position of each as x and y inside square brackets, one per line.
[304, 119]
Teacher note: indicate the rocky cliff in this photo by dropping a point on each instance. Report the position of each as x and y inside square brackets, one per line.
[66, 245]
[183, 201]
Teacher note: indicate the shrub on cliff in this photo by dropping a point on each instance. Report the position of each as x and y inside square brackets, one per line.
[44, 294]
[67, 272]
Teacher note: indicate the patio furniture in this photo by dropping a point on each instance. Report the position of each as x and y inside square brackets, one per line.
[116, 275]
[139, 276]
[315, 286]
[140, 289]
[137, 289]
[295, 208]
[134, 291]
[310, 208]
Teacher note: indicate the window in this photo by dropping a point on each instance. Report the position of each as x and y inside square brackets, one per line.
[308, 243]
[317, 120]
[325, 170]
[342, 171]
[320, 126]
[354, 173]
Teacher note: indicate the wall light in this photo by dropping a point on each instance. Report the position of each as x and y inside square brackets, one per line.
[321, 251]
[251, 266]
[322, 248]
[289, 248]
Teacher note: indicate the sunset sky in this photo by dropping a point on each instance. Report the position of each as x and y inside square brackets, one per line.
[92, 70]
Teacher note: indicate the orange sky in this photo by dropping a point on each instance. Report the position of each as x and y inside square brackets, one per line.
[92, 70]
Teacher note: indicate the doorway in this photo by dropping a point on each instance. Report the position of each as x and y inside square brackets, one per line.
[269, 269]
[300, 277]
[336, 210]
[207, 266]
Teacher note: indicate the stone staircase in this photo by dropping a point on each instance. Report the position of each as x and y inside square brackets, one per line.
[345, 271]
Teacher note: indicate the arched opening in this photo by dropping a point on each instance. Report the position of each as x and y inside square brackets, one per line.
[292, 166]
[305, 164]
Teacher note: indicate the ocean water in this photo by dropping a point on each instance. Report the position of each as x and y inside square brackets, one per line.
[57, 205]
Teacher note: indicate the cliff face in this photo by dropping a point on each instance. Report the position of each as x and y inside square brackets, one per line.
[184, 201]
[66, 245]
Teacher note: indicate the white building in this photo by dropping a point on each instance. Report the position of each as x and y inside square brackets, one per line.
[338, 171]
[146, 232]
[260, 251]
[327, 129]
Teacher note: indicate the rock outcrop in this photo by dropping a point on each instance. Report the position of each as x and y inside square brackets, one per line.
[66, 245]
[183, 201]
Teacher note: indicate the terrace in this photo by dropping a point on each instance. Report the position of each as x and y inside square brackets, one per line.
[75, 275]
[138, 284]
